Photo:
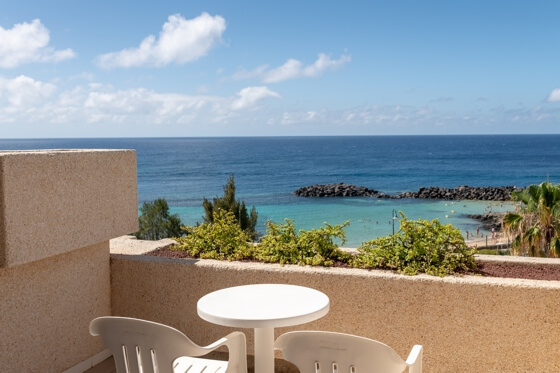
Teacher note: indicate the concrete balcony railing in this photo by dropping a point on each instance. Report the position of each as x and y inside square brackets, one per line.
[56, 274]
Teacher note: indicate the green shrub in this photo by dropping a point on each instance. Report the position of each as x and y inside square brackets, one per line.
[282, 244]
[418, 246]
[155, 221]
[223, 239]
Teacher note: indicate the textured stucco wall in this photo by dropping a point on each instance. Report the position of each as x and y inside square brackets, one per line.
[58, 211]
[467, 324]
[60, 200]
[46, 307]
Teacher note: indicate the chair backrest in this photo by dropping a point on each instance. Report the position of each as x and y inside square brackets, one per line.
[329, 352]
[154, 346]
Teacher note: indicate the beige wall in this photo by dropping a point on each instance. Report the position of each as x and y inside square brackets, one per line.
[46, 308]
[61, 200]
[58, 211]
[468, 324]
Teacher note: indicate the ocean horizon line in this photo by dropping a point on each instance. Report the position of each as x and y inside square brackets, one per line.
[279, 136]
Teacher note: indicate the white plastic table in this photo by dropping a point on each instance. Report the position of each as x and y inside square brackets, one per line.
[263, 307]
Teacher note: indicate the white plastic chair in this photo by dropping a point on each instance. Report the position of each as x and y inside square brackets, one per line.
[148, 347]
[326, 352]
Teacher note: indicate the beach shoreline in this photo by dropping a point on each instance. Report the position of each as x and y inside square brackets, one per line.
[481, 242]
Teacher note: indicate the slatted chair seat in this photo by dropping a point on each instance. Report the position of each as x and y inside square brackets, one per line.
[195, 365]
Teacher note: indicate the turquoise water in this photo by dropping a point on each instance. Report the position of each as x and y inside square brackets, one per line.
[269, 169]
[369, 217]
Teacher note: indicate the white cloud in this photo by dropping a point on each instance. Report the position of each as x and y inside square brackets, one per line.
[28, 42]
[180, 41]
[324, 63]
[554, 96]
[290, 70]
[120, 106]
[248, 97]
[301, 117]
[121, 103]
[293, 69]
[34, 105]
[25, 100]
[24, 91]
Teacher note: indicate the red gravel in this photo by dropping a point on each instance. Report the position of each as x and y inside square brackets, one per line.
[515, 270]
[486, 269]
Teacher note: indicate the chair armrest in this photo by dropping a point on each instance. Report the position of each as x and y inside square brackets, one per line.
[234, 338]
[237, 349]
[414, 360]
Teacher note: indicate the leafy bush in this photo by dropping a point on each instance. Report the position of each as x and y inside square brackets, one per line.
[419, 246]
[156, 223]
[223, 239]
[282, 244]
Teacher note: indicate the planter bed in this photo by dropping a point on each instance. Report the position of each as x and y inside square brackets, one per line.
[488, 265]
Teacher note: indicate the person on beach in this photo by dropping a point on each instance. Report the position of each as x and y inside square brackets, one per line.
[467, 235]
[477, 231]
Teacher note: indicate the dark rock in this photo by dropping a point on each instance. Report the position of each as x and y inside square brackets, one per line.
[336, 190]
[463, 192]
[489, 220]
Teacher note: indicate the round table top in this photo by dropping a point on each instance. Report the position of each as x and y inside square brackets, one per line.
[263, 306]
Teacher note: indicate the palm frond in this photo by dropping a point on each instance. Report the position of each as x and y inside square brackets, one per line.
[536, 222]
[512, 220]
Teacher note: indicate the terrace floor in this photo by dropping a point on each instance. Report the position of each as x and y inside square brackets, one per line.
[106, 366]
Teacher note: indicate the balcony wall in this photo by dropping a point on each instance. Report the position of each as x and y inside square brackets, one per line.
[466, 324]
[58, 211]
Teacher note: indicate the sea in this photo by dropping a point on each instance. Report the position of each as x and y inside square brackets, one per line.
[267, 171]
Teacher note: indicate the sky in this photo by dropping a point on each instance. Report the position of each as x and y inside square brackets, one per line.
[278, 68]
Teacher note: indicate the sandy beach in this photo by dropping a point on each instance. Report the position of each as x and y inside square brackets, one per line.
[481, 242]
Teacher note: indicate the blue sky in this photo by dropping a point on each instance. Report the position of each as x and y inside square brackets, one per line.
[258, 68]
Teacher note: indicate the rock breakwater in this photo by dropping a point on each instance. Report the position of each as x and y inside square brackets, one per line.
[336, 190]
[502, 193]
[464, 192]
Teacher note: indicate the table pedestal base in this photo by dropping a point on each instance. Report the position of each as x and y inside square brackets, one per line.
[264, 352]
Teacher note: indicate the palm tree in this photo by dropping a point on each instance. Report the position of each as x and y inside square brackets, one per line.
[535, 225]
